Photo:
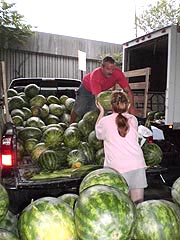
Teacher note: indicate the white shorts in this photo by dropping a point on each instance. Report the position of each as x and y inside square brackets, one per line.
[136, 178]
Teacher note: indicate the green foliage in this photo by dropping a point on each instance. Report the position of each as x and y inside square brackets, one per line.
[117, 57]
[164, 13]
[12, 25]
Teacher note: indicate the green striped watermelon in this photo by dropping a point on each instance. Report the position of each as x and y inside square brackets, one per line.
[29, 132]
[91, 117]
[10, 223]
[53, 136]
[47, 218]
[38, 100]
[16, 102]
[85, 127]
[76, 158]
[7, 235]
[105, 176]
[38, 149]
[100, 156]
[48, 160]
[52, 99]
[69, 198]
[156, 220]
[88, 151]
[71, 138]
[56, 109]
[4, 202]
[104, 212]
[104, 98]
[31, 90]
[175, 191]
[152, 154]
[93, 141]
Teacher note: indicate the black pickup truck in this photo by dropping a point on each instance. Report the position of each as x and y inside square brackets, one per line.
[20, 189]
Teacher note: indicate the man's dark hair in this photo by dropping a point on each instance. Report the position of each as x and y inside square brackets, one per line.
[108, 59]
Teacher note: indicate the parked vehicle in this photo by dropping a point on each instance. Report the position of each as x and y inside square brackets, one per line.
[20, 189]
[159, 52]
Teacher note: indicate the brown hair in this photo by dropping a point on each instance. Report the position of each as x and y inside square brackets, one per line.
[120, 104]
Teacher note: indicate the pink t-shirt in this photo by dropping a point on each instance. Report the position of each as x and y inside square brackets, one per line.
[95, 82]
[121, 153]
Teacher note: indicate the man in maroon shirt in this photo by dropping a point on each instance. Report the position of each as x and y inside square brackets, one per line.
[100, 79]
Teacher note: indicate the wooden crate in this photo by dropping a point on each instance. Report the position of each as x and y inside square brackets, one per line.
[140, 89]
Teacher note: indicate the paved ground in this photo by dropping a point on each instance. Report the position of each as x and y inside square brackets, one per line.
[160, 183]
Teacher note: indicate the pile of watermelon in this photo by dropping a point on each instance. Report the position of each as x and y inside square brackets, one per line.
[101, 210]
[8, 220]
[45, 134]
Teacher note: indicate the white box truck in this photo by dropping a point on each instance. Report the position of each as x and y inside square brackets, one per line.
[159, 51]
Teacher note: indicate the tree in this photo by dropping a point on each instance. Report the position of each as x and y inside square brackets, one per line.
[12, 26]
[164, 13]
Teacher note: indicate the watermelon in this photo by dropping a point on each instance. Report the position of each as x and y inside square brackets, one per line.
[56, 109]
[62, 152]
[159, 115]
[53, 136]
[30, 132]
[29, 144]
[88, 151]
[48, 160]
[76, 158]
[20, 151]
[35, 122]
[156, 220]
[51, 118]
[175, 191]
[71, 138]
[62, 99]
[52, 99]
[152, 154]
[65, 118]
[17, 112]
[31, 90]
[38, 101]
[37, 150]
[53, 125]
[100, 156]
[44, 111]
[11, 92]
[7, 235]
[91, 117]
[93, 141]
[69, 103]
[16, 102]
[47, 218]
[9, 223]
[27, 113]
[85, 127]
[69, 198]
[104, 98]
[150, 115]
[104, 212]
[36, 111]
[17, 120]
[105, 176]
[4, 202]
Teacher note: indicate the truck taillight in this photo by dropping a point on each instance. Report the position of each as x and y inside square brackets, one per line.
[7, 155]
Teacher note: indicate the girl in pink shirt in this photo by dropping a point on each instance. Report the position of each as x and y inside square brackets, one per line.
[122, 150]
